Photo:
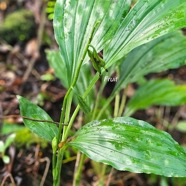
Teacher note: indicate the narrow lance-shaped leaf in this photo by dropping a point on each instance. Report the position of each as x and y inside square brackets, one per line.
[133, 145]
[166, 52]
[74, 21]
[83, 104]
[157, 92]
[148, 20]
[44, 130]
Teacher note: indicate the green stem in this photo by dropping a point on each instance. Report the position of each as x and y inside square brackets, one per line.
[74, 83]
[97, 100]
[78, 170]
[103, 170]
[123, 101]
[65, 114]
[89, 88]
[116, 105]
[58, 167]
[71, 123]
[105, 106]
[109, 99]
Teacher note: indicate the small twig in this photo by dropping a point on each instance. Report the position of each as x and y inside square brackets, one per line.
[32, 119]
[11, 179]
[78, 168]
[73, 158]
[39, 42]
[175, 119]
[46, 169]
[135, 176]
[109, 177]
[123, 101]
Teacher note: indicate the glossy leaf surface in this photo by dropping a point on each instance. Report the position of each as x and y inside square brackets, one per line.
[74, 22]
[133, 145]
[44, 130]
[147, 20]
[167, 52]
[56, 62]
[157, 92]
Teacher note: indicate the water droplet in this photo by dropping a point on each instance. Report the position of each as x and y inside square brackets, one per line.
[166, 162]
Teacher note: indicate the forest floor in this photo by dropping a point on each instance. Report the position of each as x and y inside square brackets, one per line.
[24, 71]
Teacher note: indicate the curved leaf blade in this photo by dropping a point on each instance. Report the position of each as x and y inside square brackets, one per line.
[146, 21]
[157, 92]
[84, 79]
[44, 130]
[55, 62]
[166, 52]
[133, 145]
[74, 21]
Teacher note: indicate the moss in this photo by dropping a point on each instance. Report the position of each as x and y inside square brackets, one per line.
[17, 26]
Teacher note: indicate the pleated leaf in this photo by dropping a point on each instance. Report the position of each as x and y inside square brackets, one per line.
[148, 20]
[73, 24]
[133, 145]
[167, 52]
[157, 92]
[56, 62]
[83, 104]
[45, 130]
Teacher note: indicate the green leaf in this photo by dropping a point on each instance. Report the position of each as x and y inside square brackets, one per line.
[83, 104]
[2, 147]
[73, 24]
[44, 130]
[131, 145]
[157, 92]
[6, 159]
[56, 62]
[147, 20]
[47, 77]
[8, 128]
[10, 139]
[181, 126]
[164, 53]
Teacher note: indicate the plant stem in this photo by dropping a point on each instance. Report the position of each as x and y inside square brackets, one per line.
[71, 123]
[116, 105]
[58, 167]
[109, 177]
[75, 80]
[105, 106]
[78, 169]
[123, 101]
[97, 99]
[65, 115]
[103, 170]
